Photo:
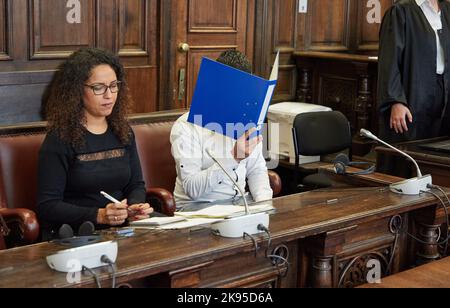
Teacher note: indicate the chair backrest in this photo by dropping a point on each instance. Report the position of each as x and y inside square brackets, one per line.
[157, 163]
[321, 133]
[18, 170]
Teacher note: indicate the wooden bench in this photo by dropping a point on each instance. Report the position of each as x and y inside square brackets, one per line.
[432, 275]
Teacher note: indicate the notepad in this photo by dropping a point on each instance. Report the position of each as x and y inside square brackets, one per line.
[157, 221]
[229, 101]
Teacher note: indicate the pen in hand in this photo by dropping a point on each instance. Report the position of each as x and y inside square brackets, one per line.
[115, 201]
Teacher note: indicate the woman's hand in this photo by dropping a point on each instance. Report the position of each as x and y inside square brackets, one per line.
[399, 114]
[113, 214]
[139, 212]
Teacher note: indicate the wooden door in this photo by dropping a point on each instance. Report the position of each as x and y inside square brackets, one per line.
[205, 28]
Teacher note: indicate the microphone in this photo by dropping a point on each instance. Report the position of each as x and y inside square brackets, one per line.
[65, 232]
[209, 152]
[414, 186]
[241, 225]
[86, 229]
[66, 235]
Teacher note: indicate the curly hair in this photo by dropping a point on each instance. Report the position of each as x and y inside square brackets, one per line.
[64, 109]
[235, 59]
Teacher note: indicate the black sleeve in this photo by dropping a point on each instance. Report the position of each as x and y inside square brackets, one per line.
[135, 191]
[54, 164]
[392, 45]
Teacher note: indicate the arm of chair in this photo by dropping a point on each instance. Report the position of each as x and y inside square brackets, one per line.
[161, 200]
[275, 183]
[23, 224]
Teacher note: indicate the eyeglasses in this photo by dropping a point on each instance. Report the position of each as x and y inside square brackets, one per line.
[100, 89]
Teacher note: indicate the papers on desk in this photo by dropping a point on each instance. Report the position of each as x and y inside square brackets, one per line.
[190, 223]
[225, 211]
[157, 221]
[202, 218]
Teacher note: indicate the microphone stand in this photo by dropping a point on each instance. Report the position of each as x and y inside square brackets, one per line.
[247, 211]
[239, 226]
[414, 186]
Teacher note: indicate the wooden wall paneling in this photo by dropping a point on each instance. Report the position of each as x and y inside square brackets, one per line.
[285, 25]
[48, 43]
[328, 25]
[263, 36]
[21, 96]
[250, 30]
[133, 28]
[368, 24]
[107, 24]
[276, 30]
[286, 86]
[136, 44]
[143, 88]
[167, 53]
[5, 28]
[284, 40]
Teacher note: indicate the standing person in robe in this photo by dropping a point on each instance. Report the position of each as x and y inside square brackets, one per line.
[413, 76]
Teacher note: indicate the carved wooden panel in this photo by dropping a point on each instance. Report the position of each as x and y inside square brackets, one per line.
[370, 14]
[339, 93]
[132, 33]
[328, 25]
[285, 25]
[212, 15]
[58, 29]
[4, 28]
[355, 271]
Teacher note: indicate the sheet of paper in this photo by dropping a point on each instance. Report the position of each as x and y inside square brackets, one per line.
[157, 221]
[190, 223]
[224, 211]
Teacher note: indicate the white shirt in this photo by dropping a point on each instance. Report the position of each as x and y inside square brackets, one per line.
[199, 179]
[434, 18]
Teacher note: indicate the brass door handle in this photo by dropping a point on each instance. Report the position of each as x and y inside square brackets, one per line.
[184, 47]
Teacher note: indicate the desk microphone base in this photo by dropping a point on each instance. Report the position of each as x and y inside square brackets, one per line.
[236, 227]
[73, 260]
[413, 186]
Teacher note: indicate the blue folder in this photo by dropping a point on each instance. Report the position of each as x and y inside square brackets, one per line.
[229, 101]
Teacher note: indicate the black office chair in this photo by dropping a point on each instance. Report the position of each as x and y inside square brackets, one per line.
[319, 133]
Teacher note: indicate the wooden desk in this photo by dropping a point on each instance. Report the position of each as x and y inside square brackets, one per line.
[433, 275]
[430, 162]
[327, 244]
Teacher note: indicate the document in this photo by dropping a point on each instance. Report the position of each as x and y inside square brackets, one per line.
[157, 221]
[225, 211]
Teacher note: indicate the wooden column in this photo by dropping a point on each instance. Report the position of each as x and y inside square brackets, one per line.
[304, 93]
[428, 249]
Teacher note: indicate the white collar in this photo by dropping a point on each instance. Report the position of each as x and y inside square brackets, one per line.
[420, 2]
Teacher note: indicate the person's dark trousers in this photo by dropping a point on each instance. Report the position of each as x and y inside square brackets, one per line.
[428, 124]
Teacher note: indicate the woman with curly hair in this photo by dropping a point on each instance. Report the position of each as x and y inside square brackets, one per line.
[89, 148]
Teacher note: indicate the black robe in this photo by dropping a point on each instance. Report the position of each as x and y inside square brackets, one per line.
[407, 69]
